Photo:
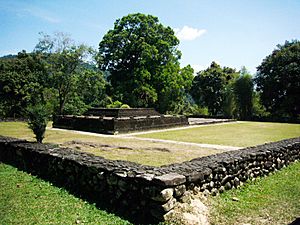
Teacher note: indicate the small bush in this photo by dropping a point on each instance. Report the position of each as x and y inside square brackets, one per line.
[195, 110]
[38, 116]
[117, 104]
[125, 106]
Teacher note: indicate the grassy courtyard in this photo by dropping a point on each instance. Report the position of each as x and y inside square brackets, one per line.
[112, 147]
[270, 200]
[158, 153]
[241, 134]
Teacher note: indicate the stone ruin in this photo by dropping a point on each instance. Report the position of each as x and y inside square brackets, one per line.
[118, 120]
[146, 194]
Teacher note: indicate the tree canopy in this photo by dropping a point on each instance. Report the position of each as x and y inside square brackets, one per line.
[243, 91]
[64, 62]
[278, 80]
[20, 77]
[59, 74]
[72, 76]
[137, 65]
[212, 88]
[141, 56]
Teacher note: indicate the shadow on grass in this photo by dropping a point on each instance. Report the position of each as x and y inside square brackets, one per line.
[100, 200]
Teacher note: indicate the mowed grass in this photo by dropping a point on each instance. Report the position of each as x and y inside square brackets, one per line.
[240, 134]
[25, 199]
[271, 200]
[139, 151]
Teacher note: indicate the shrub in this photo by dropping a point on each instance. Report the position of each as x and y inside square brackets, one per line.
[115, 104]
[38, 116]
[125, 106]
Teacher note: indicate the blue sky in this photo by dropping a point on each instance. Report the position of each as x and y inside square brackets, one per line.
[233, 33]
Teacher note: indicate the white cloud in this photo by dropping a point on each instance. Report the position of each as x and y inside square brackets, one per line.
[189, 33]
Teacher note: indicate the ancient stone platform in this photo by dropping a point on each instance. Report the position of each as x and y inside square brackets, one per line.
[114, 121]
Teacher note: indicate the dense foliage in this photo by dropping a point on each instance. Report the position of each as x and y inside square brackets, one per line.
[278, 80]
[213, 88]
[56, 74]
[243, 91]
[141, 56]
[67, 74]
[20, 83]
[137, 65]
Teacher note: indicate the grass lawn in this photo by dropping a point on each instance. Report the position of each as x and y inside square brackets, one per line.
[271, 200]
[241, 134]
[25, 199]
[143, 152]
[157, 153]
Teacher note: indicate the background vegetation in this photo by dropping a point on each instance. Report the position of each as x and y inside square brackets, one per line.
[137, 65]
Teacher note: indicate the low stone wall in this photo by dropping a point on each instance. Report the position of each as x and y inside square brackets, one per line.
[145, 194]
[112, 125]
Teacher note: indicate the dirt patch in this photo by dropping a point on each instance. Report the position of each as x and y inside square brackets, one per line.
[105, 147]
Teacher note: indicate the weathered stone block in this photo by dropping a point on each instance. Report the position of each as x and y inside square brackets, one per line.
[169, 205]
[170, 179]
[112, 180]
[179, 190]
[164, 195]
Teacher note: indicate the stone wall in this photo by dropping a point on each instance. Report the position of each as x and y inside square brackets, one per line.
[120, 112]
[113, 125]
[145, 194]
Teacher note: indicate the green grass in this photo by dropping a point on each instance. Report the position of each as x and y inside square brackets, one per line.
[25, 199]
[241, 134]
[271, 200]
[150, 153]
[143, 152]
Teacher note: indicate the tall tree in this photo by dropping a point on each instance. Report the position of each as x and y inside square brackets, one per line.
[211, 88]
[20, 83]
[278, 80]
[141, 56]
[243, 91]
[64, 63]
[91, 87]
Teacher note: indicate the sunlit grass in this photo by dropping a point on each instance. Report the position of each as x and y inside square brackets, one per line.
[241, 134]
[139, 151]
[271, 200]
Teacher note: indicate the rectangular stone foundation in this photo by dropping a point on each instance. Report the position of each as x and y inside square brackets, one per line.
[145, 194]
[114, 121]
